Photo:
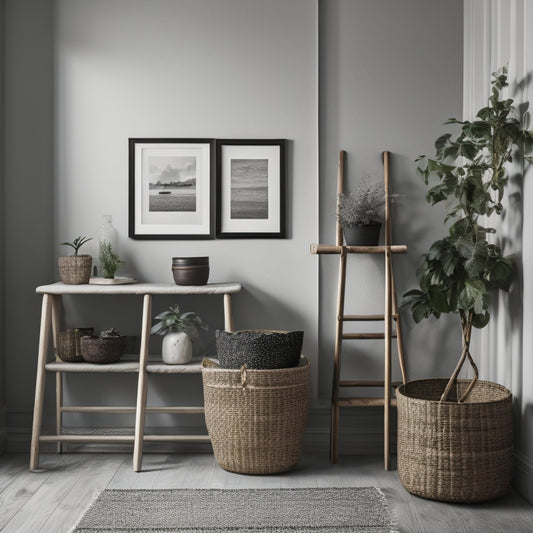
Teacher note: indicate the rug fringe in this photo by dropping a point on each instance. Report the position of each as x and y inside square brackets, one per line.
[392, 512]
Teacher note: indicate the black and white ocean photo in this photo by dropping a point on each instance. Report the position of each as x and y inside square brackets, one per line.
[172, 183]
[249, 188]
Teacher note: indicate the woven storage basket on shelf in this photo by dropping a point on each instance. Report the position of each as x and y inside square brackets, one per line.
[102, 349]
[68, 344]
[256, 418]
[258, 348]
[455, 452]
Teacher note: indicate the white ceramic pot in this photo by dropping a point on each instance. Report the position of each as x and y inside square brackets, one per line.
[177, 348]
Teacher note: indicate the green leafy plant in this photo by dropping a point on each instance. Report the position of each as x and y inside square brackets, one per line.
[469, 174]
[77, 243]
[362, 207]
[173, 320]
[109, 260]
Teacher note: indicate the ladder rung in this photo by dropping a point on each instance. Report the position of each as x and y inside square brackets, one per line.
[334, 249]
[365, 318]
[366, 335]
[367, 383]
[364, 402]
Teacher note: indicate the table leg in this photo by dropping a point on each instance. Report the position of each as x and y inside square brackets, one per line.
[44, 337]
[228, 314]
[140, 413]
[56, 310]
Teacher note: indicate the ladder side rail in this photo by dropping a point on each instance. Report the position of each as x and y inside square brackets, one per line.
[340, 190]
[388, 242]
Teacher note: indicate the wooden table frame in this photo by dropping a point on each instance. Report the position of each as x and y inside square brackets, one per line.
[50, 320]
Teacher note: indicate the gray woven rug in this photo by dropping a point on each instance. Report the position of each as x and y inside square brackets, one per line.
[338, 510]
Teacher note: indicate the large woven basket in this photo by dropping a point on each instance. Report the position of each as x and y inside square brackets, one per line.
[259, 348]
[256, 418]
[455, 452]
[68, 344]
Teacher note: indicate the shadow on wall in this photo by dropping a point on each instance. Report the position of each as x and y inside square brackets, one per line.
[254, 308]
[410, 215]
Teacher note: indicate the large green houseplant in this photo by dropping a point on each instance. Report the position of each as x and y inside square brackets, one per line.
[469, 173]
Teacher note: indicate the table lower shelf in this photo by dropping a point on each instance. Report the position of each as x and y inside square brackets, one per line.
[124, 438]
[154, 366]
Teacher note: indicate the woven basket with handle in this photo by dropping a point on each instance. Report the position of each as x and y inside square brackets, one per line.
[256, 418]
[455, 452]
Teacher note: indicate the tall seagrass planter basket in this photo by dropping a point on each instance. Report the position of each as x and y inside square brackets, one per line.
[455, 452]
[256, 418]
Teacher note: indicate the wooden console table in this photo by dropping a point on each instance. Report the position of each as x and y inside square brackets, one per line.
[50, 320]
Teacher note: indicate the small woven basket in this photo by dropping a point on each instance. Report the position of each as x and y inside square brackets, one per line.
[258, 348]
[455, 452]
[75, 269]
[256, 418]
[102, 349]
[68, 344]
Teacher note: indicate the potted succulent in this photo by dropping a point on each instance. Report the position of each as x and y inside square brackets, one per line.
[455, 436]
[110, 262]
[75, 269]
[179, 329]
[360, 213]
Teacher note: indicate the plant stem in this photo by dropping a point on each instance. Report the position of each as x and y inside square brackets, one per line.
[466, 324]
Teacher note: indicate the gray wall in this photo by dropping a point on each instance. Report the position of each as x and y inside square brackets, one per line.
[29, 204]
[227, 69]
[390, 76]
[3, 433]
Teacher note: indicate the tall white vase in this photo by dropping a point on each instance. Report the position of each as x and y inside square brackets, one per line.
[177, 348]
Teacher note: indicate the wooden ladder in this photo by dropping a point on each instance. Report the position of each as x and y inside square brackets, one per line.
[390, 315]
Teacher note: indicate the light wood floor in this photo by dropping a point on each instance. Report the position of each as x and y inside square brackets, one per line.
[53, 499]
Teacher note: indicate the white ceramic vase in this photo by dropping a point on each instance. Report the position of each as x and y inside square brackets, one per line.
[177, 348]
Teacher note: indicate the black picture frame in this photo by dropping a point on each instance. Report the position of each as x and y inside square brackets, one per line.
[250, 188]
[171, 188]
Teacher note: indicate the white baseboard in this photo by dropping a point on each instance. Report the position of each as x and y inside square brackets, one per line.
[361, 433]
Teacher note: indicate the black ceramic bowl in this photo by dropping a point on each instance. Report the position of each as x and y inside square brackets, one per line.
[190, 270]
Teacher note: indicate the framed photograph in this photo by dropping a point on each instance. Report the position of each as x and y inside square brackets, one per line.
[170, 188]
[250, 188]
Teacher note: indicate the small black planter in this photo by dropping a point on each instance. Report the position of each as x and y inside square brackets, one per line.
[362, 235]
[190, 270]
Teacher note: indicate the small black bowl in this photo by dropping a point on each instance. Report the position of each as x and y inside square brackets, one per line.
[190, 270]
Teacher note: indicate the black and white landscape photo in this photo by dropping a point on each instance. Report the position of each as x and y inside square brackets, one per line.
[172, 183]
[249, 189]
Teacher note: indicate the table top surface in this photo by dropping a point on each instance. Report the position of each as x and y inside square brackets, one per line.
[140, 288]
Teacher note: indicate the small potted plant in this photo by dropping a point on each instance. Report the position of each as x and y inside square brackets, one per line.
[179, 329]
[360, 213]
[109, 260]
[75, 269]
[108, 347]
